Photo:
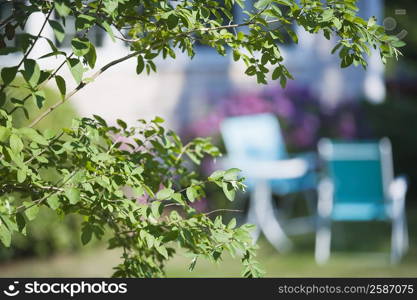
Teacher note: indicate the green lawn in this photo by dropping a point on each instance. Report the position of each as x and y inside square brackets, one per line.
[358, 250]
[299, 263]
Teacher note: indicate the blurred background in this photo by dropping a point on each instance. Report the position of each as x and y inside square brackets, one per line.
[196, 96]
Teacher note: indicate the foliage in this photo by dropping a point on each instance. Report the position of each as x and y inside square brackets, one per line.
[99, 177]
[404, 26]
[48, 233]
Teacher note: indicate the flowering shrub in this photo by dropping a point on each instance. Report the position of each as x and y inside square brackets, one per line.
[303, 118]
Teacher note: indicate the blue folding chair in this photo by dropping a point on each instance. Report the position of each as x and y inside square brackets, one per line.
[255, 145]
[359, 186]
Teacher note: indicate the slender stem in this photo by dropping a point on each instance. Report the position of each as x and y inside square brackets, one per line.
[82, 85]
[44, 150]
[33, 44]
[36, 39]
[223, 210]
[54, 191]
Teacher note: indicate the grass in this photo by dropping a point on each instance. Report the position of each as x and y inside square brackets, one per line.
[358, 250]
[354, 262]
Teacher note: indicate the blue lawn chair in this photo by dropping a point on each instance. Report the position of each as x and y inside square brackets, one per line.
[255, 145]
[360, 187]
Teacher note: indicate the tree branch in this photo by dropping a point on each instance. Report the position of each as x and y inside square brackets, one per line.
[33, 44]
[133, 54]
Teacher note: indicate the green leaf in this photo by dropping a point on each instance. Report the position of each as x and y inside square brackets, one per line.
[158, 120]
[5, 234]
[33, 135]
[111, 5]
[337, 23]
[229, 192]
[178, 197]
[216, 175]
[31, 211]
[80, 46]
[4, 133]
[371, 22]
[87, 234]
[165, 194]
[277, 73]
[16, 143]
[121, 123]
[83, 22]
[107, 27]
[192, 264]
[21, 223]
[172, 21]
[140, 65]
[2, 98]
[262, 3]
[163, 251]
[62, 7]
[251, 71]
[236, 55]
[73, 195]
[39, 98]
[191, 193]
[32, 72]
[283, 81]
[76, 69]
[60, 82]
[398, 43]
[231, 174]
[232, 224]
[327, 15]
[53, 202]
[91, 56]
[21, 175]
[101, 121]
[156, 209]
[58, 30]
[8, 74]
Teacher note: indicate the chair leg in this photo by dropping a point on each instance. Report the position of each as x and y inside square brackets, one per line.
[269, 224]
[406, 239]
[324, 209]
[252, 219]
[323, 242]
[396, 241]
[399, 239]
[399, 235]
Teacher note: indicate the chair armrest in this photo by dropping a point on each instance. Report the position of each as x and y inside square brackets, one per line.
[265, 169]
[310, 157]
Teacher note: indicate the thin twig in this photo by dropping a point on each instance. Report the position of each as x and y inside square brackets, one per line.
[33, 44]
[36, 39]
[39, 201]
[223, 210]
[44, 150]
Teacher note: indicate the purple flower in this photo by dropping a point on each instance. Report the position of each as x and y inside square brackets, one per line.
[347, 126]
[283, 107]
